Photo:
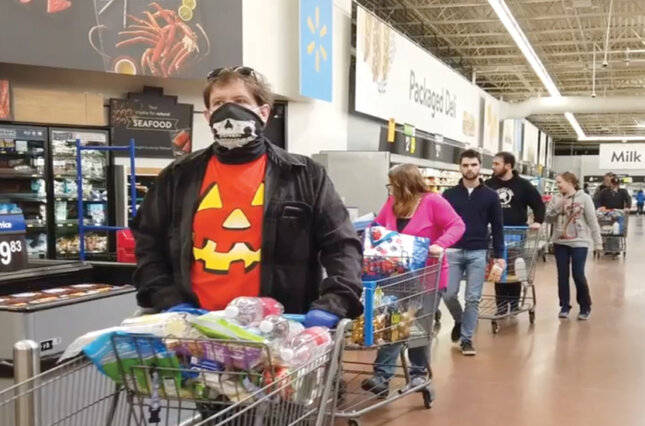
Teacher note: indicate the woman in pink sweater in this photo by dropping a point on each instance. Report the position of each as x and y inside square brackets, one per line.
[413, 210]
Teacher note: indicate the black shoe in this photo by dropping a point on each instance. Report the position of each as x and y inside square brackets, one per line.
[467, 348]
[456, 332]
[376, 385]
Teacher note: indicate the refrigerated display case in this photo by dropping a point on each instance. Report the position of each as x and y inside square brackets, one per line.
[23, 174]
[65, 198]
[144, 182]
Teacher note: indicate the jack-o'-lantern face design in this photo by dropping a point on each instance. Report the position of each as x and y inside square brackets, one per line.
[231, 229]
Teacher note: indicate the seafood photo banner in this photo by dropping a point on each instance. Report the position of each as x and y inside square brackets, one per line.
[163, 38]
[161, 127]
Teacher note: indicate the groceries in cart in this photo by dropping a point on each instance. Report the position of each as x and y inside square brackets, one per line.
[234, 353]
[387, 253]
[612, 222]
[394, 307]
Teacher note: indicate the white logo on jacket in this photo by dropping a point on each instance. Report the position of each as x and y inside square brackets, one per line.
[505, 197]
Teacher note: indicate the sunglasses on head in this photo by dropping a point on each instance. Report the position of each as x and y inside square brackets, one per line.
[245, 71]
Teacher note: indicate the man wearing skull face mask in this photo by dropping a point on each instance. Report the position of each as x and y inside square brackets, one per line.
[245, 218]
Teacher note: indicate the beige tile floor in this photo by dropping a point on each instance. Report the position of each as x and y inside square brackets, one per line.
[557, 372]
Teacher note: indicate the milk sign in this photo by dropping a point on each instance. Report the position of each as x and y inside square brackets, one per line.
[622, 156]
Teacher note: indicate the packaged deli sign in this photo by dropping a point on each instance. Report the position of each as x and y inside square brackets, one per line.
[622, 156]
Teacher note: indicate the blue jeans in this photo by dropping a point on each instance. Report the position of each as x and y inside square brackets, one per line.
[472, 264]
[574, 259]
[419, 356]
[388, 356]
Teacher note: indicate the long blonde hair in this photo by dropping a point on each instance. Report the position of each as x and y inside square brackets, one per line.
[408, 186]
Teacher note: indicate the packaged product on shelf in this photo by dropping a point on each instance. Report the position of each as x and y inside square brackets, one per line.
[97, 213]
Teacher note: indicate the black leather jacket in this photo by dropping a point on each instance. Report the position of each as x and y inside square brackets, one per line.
[306, 226]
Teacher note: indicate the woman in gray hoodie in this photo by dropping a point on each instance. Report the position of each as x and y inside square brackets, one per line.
[575, 227]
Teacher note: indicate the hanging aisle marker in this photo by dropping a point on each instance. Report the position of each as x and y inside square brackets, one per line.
[391, 130]
[410, 139]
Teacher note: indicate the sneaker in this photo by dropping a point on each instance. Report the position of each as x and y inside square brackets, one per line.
[376, 385]
[467, 348]
[583, 316]
[564, 313]
[417, 381]
[456, 332]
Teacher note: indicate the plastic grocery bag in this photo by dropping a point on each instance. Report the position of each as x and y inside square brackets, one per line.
[387, 253]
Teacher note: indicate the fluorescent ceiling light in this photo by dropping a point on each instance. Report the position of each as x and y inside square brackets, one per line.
[630, 138]
[576, 126]
[513, 28]
[507, 18]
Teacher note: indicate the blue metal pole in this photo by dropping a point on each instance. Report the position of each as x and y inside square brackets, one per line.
[133, 189]
[79, 201]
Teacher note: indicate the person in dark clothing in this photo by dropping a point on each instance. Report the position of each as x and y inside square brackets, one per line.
[516, 196]
[615, 198]
[245, 218]
[478, 206]
[640, 202]
[606, 184]
[585, 188]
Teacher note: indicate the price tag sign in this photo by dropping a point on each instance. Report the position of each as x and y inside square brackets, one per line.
[13, 250]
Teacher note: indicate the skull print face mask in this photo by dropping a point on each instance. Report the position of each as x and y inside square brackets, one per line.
[234, 126]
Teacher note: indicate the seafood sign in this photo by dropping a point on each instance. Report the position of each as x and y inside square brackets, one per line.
[160, 127]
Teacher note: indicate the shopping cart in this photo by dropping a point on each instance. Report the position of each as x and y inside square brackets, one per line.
[399, 315]
[522, 246]
[154, 386]
[613, 228]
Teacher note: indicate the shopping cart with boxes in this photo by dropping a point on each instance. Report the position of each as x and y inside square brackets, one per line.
[151, 382]
[613, 229]
[399, 315]
[522, 247]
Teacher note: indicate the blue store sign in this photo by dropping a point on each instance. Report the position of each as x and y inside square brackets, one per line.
[316, 48]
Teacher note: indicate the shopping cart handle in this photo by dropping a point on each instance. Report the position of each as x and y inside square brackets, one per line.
[516, 227]
[295, 317]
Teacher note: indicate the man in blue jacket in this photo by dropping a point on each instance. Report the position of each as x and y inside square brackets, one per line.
[479, 207]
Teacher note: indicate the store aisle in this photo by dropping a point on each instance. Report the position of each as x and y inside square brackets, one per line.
[555, 373]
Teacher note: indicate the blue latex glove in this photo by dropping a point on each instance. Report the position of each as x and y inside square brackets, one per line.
[187, 308]
[320, 318]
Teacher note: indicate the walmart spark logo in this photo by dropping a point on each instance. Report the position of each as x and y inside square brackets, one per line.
[316, 55]
[312, 46]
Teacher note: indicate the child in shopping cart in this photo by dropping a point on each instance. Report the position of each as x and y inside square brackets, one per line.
[576, 224]
[412, 209]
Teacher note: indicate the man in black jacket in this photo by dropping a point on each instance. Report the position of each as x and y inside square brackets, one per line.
[516, 195]
[615, 197]
[606, 184]
[245, 218]
[478, 207]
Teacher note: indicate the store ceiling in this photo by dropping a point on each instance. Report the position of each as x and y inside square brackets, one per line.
[467, 35]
